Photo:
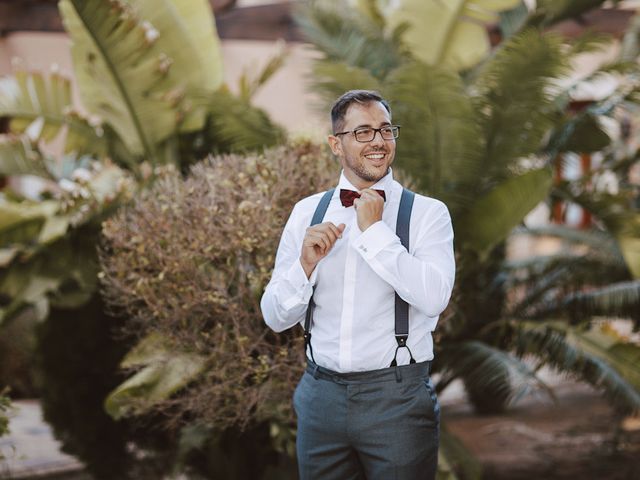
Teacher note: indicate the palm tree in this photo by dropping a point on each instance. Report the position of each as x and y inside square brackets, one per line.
[483, 139]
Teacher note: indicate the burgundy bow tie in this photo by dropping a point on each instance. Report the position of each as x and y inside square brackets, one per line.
[348, 196]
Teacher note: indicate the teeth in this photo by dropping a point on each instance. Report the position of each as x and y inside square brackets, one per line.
[375, 156]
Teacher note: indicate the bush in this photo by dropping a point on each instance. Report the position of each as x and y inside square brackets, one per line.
[189, 261]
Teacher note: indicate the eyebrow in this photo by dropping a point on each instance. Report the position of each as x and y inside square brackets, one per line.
[384, 124]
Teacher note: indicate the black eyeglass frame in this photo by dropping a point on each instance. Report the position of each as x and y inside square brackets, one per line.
[395, 129]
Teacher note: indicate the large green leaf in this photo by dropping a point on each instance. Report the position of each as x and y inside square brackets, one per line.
[63, 273]
[451, 33]
[42, 107]
[19, 156]
[493, 216]
[188, 36]
[140, 65]
[164, 371]
[440, 142]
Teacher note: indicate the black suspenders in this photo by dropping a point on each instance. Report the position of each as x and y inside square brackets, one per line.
[402, 307]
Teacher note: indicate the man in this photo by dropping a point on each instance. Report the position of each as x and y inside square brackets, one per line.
[357, 416]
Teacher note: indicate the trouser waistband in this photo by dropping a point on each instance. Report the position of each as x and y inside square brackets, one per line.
[414, 370]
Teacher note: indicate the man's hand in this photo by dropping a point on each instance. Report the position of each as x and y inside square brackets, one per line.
[318, 242]
[368, 208]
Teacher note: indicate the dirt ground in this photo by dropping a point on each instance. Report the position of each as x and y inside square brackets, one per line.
[579, 437]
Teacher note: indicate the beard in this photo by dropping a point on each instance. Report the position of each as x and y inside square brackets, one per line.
[368, 174]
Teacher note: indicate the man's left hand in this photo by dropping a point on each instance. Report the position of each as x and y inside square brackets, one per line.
[368, 208]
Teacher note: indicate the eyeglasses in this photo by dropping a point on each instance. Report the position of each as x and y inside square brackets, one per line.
[366, 134]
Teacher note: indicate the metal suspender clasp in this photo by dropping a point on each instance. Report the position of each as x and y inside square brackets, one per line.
[402, 343]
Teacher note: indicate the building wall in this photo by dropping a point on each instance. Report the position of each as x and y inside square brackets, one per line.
[286, 97]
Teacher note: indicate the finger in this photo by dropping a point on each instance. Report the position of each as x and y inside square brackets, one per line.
[336, 231]
[323, 240]
[313, 239]
[325, 229]
[370, 194]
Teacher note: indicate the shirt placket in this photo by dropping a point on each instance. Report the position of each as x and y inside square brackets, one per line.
[348, 304]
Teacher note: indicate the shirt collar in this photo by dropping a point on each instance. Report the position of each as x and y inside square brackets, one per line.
[385, 183]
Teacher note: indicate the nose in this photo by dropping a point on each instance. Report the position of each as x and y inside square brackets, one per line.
[377, 138]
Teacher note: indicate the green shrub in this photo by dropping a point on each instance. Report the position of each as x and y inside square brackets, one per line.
[189, 260]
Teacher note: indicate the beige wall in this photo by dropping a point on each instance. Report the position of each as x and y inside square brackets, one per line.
[285, 97]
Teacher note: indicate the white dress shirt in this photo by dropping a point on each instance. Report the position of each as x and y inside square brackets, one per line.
[353, 327]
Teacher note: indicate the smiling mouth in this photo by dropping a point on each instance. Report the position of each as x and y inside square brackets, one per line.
[378, 156]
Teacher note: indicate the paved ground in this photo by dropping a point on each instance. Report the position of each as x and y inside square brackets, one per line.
[30, 449]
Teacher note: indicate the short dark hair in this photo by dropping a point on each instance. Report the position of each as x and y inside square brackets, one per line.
[342, 104]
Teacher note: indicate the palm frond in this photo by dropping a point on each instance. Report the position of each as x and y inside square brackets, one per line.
[440, 143]
[237, 126]
[562, 348]
[346, 35]
[331, 79]
[550, 12]
[513, 98]
[250, 81]
[483, 367]
[590, 42]
[620, 299]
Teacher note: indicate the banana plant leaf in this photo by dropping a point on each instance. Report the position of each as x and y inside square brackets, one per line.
[451, 33]
[23, 222]
[188, 36]
[490, 220]
[163, 372]
[138, 72]
[41, 106]
[19, 156]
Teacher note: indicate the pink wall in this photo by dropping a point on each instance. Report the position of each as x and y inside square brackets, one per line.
[285, 97]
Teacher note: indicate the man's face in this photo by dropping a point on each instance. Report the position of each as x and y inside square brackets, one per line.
[364, 164]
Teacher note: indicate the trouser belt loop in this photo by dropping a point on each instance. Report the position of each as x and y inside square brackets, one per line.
[315, 370]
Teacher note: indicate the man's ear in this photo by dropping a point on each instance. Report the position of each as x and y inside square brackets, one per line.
[335, 145]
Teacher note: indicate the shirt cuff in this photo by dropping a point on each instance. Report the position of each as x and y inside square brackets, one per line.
[302, 285]
[375, 238]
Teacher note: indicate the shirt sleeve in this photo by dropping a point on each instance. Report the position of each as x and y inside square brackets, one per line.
[423, 278]
[286, 297]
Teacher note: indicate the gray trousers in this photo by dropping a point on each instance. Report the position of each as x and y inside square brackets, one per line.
[375, 425]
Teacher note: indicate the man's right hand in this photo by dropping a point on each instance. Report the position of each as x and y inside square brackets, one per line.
[318, 242]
